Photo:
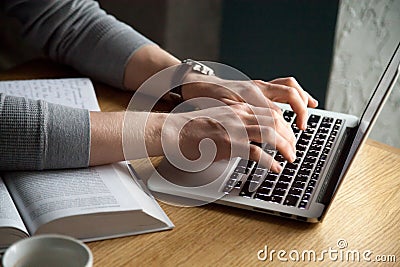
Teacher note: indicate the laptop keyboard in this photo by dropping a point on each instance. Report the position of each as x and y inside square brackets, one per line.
[295, 185]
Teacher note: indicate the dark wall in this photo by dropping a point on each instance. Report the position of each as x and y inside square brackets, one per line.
[274, 38]
[147, 17]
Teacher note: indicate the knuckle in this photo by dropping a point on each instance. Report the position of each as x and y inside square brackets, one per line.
[291, 80]
[291, 91]
[270, 135]
[255, 151]
[275, 115]
[225, 139]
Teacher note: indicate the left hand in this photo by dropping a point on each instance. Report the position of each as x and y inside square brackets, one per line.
[257, 93]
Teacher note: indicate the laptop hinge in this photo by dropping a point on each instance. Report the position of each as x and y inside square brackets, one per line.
[336, 167]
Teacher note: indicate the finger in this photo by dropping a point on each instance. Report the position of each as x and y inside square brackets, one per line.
[273, 120]
[260, 113]
[312, 102]
[251, 115]
[265, 160]
[256, 97]
[290, 95]
[273, 138]
[255, 153]
[292, 82]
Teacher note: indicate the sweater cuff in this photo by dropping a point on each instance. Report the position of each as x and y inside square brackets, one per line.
[68, 137]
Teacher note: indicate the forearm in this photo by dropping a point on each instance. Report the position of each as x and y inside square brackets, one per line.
[36, 135]
[117, 136]
[145, 62]
[79, 33]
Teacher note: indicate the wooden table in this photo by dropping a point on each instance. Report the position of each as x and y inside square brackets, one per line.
[365, 213]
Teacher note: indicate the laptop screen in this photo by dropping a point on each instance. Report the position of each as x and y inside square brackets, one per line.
[374, 106]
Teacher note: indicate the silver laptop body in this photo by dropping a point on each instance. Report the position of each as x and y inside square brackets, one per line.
[301, 193]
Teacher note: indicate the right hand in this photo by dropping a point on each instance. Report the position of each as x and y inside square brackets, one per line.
[231, 128]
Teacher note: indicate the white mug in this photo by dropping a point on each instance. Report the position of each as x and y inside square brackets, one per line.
[48, 250]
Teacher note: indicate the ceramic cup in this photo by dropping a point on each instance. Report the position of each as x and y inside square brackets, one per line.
[48, 250]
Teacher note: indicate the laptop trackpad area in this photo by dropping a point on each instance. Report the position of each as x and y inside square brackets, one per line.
[205, 186]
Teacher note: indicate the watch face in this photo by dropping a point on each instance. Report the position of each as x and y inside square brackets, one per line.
[199, 67]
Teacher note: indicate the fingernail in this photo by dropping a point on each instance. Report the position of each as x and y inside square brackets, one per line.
[279, 168]
[293, 157]
[315, 102]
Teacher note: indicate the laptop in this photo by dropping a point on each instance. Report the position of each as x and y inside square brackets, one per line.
[305, 188]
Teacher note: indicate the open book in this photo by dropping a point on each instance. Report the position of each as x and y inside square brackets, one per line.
[89, 204]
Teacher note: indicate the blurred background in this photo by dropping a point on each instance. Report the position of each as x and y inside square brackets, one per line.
[337, 49]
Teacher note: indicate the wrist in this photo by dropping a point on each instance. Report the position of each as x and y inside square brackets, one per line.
[189, 71]
[153, 131]
[198, 85]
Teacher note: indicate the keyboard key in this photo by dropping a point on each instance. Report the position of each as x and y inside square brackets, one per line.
[315, 176]
[267, 183]
[295, 191]
[279, 157]
[327, 120]
[318, 142]
[291, 200]
[317, 170]
[240, 169]
[310, 131]
[307, 165]
[278, 192]
[301, 177]
[306, 197]
[247, 165]
[238, 185]
[303, 204]
[316, 147]
[321, 136]
[323, 130]
[321, 163]
[270, 152]
[275, 199]
[309, 190]
[286, 178]
[264, 190]
[271, 177]
[313, 118]
[281, 185]
[312, 153]
[298, 184]
[301, 147]
[312, 183]
[259, 171]
[288, 115]
[304, 171]
[299, 153]
[288, 171]
[310, 159]
[245, 190]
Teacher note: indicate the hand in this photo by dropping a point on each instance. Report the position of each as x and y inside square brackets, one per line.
[231, 128]
[258, 93]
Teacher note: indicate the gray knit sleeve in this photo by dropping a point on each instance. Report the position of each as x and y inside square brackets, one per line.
[36, 135]
[79, 33]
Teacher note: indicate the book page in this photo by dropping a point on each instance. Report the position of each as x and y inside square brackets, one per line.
[44, 196]
[73, 92]
[9, 219]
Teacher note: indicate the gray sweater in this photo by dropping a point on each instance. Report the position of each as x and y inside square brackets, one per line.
[37, 135]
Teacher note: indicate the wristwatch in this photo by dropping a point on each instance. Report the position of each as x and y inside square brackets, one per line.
[187, 66]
